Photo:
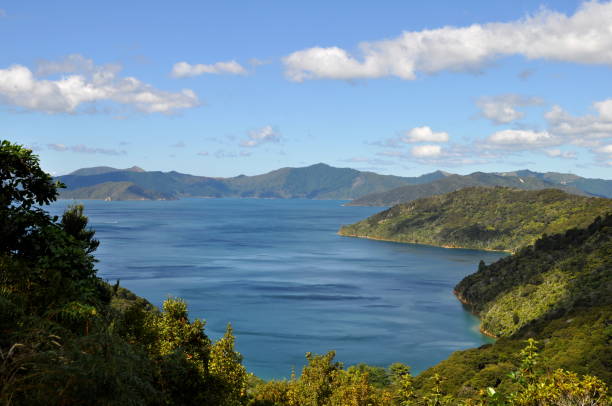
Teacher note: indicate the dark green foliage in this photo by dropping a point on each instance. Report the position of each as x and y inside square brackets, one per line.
[482, 218]
[69, 338]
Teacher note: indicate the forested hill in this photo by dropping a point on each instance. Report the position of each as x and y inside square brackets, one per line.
[318, 181]
[525, 180]
[482, 218]
[559, 292]
[555, 275]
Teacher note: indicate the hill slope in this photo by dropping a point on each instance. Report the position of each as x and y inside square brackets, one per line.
[481, 218]
[318, 181]
[558, 291]
[451, 183]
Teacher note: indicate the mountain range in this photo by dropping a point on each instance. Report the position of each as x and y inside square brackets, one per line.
[319, 181]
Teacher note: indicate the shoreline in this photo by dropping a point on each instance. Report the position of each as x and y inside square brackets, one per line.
[420, 243]
[467, 304]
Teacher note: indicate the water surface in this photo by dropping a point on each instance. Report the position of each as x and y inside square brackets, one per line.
[277, 270]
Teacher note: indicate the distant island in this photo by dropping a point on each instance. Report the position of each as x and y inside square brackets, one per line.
[497, 218]
[318, 181]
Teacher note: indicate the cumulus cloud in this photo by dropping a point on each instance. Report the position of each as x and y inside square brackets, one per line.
[83, 149]
[501, 109]
[184, 69]
[582, 128]
[20, 88]
[261, 136]
[425, 134]
[584, 37]
[521, 140]
[426, 151]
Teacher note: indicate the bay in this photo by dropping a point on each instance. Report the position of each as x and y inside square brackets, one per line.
[277, 270]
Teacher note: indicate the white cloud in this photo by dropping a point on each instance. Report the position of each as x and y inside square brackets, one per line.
[582, 128]
[605, 150]
[83, 149]
[19, 87]
[202, 153]
[179, 144]
[557, 153]
[426, 151]
[2, 13]
[263, 135]
[521, 140]
[184, 69]
[501, 109]
[584, 37]
[425, 134]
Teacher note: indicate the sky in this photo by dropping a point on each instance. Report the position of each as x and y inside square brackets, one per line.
[245, 87]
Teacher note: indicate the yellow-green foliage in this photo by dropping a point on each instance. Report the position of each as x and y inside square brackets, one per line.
[528, 382]
[525, 303]
[482, 218]
[555, 275]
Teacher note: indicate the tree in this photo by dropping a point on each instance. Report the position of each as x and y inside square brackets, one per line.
[225, 367]
[23, 186]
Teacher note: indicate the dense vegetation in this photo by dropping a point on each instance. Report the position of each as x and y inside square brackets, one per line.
[451, 183]
[482, 218]
[555, 275]
[69, 338]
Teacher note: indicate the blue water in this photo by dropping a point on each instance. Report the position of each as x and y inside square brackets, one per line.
[277, 270]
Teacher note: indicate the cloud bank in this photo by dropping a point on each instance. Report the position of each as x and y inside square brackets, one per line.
[87, 83]
[584, 37]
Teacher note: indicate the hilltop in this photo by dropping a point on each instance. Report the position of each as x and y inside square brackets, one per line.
[318, 181]
[481, 218]
[523, 179]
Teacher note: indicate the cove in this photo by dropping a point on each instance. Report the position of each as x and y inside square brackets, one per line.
[277, 270]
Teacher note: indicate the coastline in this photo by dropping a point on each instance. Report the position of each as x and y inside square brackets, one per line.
[420, 243]
[469, 306]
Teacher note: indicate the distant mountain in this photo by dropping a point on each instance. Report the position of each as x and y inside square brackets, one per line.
[482, 218]
[525, 180]
[595, 187]
[318, 181]
[98, 170]
[114, 191]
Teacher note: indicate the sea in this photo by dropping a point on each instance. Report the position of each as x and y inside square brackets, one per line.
[277, 270]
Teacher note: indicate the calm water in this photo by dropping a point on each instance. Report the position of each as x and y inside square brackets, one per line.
[288, 284]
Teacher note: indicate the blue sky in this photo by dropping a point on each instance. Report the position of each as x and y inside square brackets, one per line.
[243, 87]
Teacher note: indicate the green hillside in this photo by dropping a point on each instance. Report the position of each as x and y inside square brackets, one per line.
[115, 191]
[451, 183]
[558, 291]
[481, 218]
